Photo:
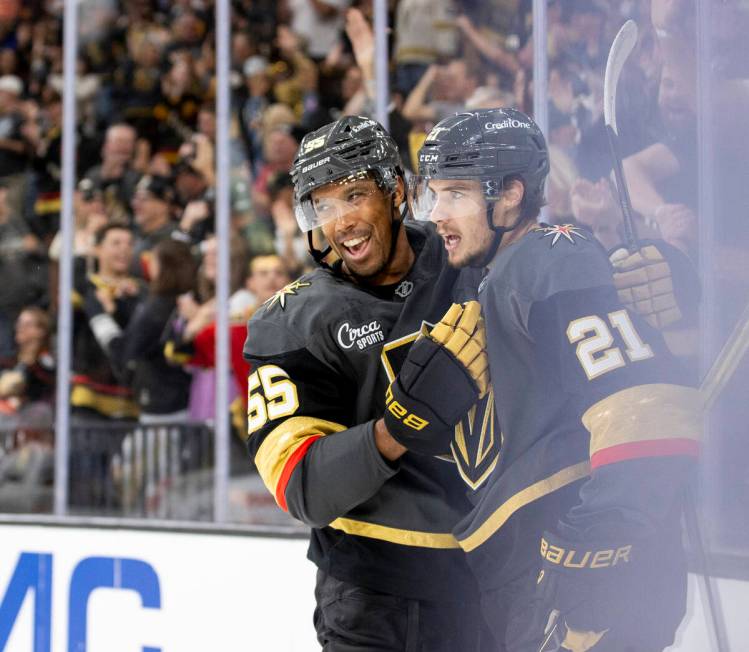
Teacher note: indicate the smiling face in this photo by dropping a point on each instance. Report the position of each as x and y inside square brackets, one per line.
[358, 218]
[459, 212]
[115, 252]
[676, 96]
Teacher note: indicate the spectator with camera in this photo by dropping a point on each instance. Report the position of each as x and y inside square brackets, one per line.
[115, 176]
[153, 204]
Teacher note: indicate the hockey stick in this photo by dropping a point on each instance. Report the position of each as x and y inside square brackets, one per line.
[726, 362]
[622, 46]
[716, 379]
[730, 355]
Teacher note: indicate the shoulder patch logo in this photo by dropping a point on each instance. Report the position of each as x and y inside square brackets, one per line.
[289, 291]
[404, 289]
[569, 231]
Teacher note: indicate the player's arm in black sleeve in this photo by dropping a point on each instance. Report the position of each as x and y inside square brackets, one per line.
[124, 346]
[606, 552]
[644, 424]
[314, 461]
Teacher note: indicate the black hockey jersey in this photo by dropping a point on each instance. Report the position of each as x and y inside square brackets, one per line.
[323, 351]
[94, 384]
[599, 433]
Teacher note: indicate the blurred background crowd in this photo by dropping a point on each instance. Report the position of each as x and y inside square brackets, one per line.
[145, 251]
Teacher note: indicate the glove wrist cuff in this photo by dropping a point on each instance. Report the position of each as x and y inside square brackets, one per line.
[589, 559]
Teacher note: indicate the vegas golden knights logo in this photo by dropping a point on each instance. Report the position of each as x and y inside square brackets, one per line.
[476, 444]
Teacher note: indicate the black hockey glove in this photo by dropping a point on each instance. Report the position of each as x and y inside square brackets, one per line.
[442, 377]
[657, 281]
[587, 590]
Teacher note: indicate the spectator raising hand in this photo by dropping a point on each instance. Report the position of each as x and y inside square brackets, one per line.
[361, 36]
[594, 206]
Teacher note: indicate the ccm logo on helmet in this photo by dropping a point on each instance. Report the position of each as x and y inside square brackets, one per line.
[362, 336]
[316, 164]
[428, 158]
[509, 122]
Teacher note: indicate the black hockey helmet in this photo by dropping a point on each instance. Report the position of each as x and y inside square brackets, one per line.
[488, 146]
[347, 149]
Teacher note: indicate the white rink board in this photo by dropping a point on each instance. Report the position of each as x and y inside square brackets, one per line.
[218, 592]
[694, 635]
[225, 593]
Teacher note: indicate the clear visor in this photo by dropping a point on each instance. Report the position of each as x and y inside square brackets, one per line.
[441, 199]
[335, 200]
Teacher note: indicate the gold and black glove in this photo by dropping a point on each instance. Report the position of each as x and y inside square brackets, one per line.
[645, 286]
[442, 377]
[590, 592]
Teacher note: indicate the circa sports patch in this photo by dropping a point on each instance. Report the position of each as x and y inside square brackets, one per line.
[557, 231]
[289, 291]
[360, 336]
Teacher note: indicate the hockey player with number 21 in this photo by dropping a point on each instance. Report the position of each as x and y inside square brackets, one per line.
[334, 358]
[575, 538]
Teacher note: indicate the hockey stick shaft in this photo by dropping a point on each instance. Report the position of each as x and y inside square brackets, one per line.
[621, 47]
[622, 191]
[726, 362]
[715, 381]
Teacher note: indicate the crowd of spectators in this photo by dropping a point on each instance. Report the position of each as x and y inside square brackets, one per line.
[145, 263]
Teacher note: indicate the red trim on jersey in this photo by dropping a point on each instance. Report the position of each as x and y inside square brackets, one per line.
[101, 388]
[289, 467]
[652, 448]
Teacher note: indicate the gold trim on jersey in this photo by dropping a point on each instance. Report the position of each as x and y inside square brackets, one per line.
[76, 298]
[46, 206]
[173, 355]
[644, 413]
[394, 344]
[281, 443]
[537, 490]
[396, 535]
[116, 407]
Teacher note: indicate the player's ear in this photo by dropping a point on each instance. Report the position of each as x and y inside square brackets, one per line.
[400, 191]
[512, 194]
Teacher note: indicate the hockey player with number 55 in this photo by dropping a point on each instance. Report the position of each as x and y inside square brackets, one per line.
[575, 538]
[334, 358]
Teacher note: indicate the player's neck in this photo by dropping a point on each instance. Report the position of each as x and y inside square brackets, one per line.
[511, 237]
[400, 263]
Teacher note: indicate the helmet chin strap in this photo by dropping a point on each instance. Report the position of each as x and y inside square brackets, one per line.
[317, 255]
[395, 226]
[499, 232]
